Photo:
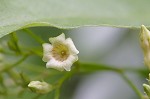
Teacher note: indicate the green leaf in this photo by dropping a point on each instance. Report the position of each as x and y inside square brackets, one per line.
[18, 14]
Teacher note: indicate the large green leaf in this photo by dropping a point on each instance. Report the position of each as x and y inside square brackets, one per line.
[18, 14]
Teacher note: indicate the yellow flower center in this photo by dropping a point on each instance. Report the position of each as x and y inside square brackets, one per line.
[60, 51]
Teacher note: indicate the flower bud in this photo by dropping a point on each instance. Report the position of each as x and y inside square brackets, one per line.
[40, 87]
[145, 44]
[145, 97]
[149, 79]
[147, 89]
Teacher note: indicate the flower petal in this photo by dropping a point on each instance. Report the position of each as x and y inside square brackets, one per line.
[68, 63]
[60, 38]
[71, 46]
[55, 64]
[47, 47]
[46, 58]
[46, 52]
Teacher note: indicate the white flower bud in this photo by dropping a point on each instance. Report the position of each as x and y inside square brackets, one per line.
[147, 89]
[40, 87]
[145, 44]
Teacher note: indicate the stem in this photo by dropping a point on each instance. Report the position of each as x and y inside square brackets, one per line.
[37, 38]
[57, 93]
[90, 67]
[37, 96]
[15, 64]
[61, 81]
[96, 67]
[131, 84]
[13, 75]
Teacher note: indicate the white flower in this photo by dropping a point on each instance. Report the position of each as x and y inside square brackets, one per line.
[145, 44]
[40, 87]
[60, 54]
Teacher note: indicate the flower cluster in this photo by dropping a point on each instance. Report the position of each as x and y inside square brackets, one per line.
[60, 55]
[145, 44]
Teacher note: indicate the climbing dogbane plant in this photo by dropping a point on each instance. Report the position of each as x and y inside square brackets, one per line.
[60, 53]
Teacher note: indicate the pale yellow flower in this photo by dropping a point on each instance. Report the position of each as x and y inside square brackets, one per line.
[60, 54]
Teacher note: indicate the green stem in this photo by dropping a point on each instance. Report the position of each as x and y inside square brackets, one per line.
[90, 67]
[131, 84]
[57, 93]
[61, 81]
[15, 64]
[96, 67]
[37, 96]
[14, 76]
[37, 38]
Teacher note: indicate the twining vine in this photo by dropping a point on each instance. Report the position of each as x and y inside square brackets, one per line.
[62, 49]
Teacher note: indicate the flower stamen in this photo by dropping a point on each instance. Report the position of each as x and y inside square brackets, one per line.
[60, 52]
